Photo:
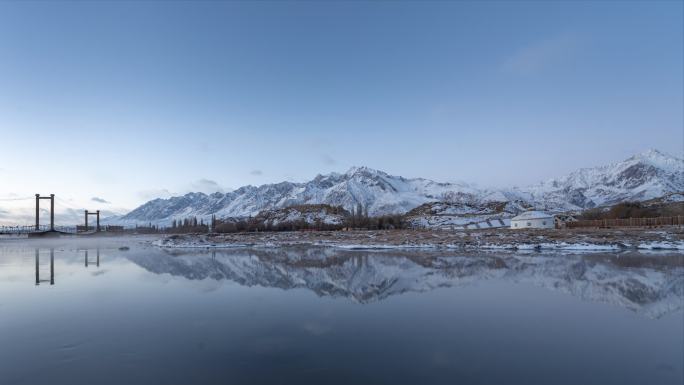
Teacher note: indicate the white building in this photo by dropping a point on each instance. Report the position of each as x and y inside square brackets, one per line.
[533, 220]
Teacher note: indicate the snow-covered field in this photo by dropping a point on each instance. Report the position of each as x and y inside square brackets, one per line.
[505, 239]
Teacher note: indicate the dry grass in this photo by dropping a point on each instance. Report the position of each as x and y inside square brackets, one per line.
[473, 238]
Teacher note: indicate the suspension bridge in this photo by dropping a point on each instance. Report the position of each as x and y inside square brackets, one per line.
[38, 229]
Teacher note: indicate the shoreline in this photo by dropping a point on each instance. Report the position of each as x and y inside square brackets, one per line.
[499, 239]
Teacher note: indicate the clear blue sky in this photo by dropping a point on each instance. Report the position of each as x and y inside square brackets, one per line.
[126, 100]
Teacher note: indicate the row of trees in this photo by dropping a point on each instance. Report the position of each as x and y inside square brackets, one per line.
[186, 225]
[359, 219]
[189, 225]
[149, 229]
[628, 210]
[254, 224]
[386, 222]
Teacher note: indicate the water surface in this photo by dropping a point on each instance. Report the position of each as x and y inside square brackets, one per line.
[312, 316]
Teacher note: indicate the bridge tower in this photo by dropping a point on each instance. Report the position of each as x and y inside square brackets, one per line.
[52, 211]
[97, 214]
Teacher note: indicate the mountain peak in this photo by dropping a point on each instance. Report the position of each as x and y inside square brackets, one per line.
[362, 170]
[659, 159]
[195, 195]
[650, 153]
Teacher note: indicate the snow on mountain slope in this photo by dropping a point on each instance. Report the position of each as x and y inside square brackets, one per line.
[375, 190]
[647, 175]
[644, 176]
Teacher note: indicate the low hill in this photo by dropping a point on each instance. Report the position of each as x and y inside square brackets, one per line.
[319, 216]
[462, 215]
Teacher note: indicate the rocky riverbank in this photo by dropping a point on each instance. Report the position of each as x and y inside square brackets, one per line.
[568, 239]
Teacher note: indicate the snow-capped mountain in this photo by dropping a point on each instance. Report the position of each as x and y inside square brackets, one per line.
[644, 176]
[375, 190]
[647, 175]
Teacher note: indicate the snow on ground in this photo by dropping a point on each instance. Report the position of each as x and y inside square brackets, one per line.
[576, 239]
[662, 245]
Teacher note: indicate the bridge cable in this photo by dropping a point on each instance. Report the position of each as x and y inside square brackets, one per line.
[17, 199]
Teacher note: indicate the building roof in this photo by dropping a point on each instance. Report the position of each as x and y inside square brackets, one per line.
[527, 215]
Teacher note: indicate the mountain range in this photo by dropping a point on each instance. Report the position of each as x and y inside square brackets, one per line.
[644, 176]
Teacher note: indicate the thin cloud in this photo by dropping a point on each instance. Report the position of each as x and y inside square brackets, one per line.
[154, 193]
[541, 54]
[329, 160]
[206, 186]
[204, 146]
[256, 172]
[99, 200]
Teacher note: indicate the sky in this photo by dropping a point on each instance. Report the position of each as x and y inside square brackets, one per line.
[110, 104]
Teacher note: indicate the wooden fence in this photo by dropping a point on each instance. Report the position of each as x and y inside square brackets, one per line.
[630, 222]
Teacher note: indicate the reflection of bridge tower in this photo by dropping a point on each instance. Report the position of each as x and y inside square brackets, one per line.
[52, 211]
[52, 268]
[97, 259]
[360, 260]
[97, 213]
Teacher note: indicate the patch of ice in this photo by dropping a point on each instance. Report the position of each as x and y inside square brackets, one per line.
[678, 245]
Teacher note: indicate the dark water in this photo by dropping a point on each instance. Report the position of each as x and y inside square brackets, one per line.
[320, 316]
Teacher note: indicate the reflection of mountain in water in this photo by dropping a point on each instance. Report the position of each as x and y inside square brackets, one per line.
[650, 285]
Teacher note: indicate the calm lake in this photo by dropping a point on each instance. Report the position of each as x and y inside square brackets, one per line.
[120, 311]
